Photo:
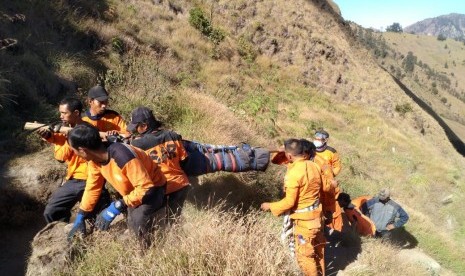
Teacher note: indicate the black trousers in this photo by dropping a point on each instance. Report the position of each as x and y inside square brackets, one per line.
[174, 203]
[142, 219]
[66, 196]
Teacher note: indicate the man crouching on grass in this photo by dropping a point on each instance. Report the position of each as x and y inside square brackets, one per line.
[129, 170]
[302, 185]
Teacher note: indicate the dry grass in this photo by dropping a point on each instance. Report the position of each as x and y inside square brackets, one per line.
[379, 258]
[206, 242]
[308, 73]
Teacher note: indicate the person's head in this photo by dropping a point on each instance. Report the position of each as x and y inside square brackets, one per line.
[344, 200]
[142, 121]
[97, 98]
[70, 111]
[384, 194]
[308, 148]
[320, 138]
[85, 141]
[293, 149]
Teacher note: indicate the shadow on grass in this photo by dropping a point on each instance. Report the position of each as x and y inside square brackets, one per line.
[226, 190]
[402, 238]
[342, 248]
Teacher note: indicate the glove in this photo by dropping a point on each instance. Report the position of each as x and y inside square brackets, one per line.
[78, 226]
[105, 217]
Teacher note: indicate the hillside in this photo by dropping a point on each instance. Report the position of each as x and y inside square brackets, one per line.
[450, 25]
[248, 77]
[434, 69]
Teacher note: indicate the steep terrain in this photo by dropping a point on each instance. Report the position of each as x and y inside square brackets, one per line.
[449, 25]
[254, 71]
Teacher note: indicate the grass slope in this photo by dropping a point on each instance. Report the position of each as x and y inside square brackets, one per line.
[266, 81]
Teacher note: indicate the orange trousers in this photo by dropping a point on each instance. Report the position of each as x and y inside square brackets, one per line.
[330, 205]
[309, 247]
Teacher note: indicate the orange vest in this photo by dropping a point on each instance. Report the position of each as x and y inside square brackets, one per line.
[77, 167]
[129, 170]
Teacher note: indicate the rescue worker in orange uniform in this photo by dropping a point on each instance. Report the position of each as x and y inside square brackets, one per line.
[302, 184]
[361, 223]
[70, 192]
[129, 170]
[166, 149]
[100, 116]
[331, 209]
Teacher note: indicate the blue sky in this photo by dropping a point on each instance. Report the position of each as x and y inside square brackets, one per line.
[379, 14]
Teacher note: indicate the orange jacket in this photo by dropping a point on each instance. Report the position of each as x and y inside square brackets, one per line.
[331, 155]
[359, 201]
[363, 224]
[302, 185]
[77, 167]
[110, 120]
[328, 193]
[129, 170]
[166, 149]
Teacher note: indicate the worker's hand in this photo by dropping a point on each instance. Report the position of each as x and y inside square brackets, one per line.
[105, 217]
[79, 226]
[265, 206]
[390, 226]
[45, 133]
[334, 183]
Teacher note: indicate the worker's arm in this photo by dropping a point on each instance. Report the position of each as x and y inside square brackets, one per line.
[336, 163]
[366, 208]
[401, 218]
[140, 179]
[62, 150]
[292, 186]
[122, 127]
[94, 185]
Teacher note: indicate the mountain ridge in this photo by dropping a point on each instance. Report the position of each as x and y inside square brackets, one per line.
[450, 25]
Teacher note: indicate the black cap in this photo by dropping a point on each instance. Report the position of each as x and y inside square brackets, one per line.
[141, 115]
[98, 93]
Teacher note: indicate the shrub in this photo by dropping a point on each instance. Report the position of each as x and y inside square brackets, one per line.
[199, 21]
[441, 37]
[117, 45]
[246, 49]
[403, 109]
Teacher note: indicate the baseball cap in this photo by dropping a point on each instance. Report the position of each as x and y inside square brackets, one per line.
[98, 93]
[384, 193]
[140, 115]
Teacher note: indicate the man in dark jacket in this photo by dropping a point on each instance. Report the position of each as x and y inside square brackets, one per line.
[385, 213]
